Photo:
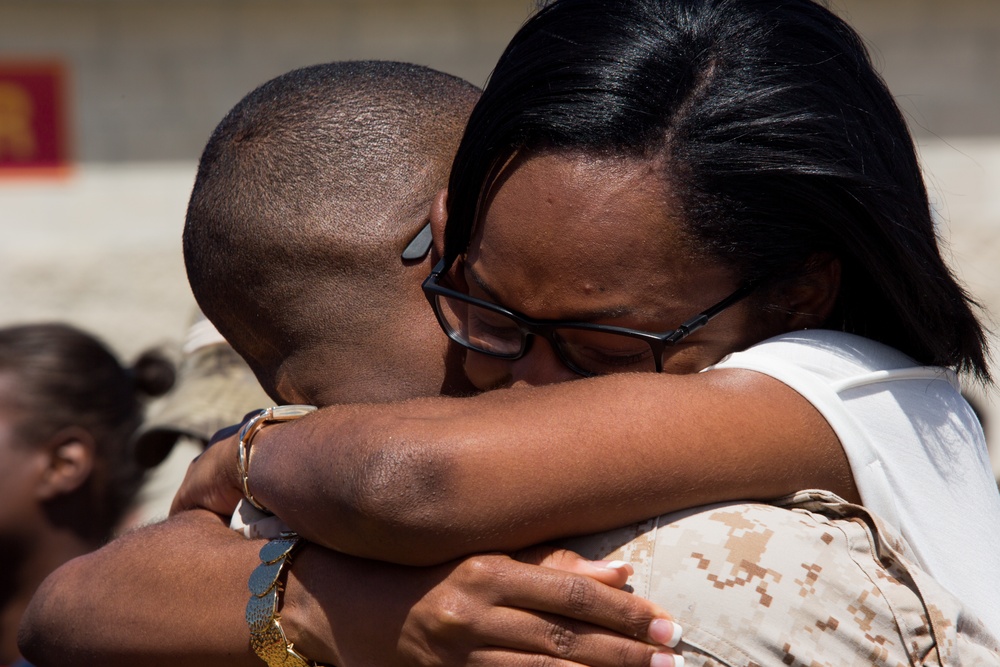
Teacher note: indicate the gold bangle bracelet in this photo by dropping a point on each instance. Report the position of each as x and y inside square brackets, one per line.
[266, 584]
[278, 413]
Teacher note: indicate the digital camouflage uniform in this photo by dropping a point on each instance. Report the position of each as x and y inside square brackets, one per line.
[809, 580]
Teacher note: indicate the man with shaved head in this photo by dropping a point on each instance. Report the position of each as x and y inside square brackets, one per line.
[351, 156]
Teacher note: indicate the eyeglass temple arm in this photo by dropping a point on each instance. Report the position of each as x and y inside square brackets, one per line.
[703, 318]
[439, 268]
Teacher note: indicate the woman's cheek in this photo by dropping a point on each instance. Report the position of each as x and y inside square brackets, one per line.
[486, 372]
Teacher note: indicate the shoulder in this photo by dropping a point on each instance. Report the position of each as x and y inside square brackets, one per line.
[828, 345]
[855, 380]
[840, 359]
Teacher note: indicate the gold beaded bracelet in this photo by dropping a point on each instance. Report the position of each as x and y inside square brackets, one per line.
[267, 637]
[278, 413]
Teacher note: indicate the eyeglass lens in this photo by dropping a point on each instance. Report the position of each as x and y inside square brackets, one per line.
[589, 351]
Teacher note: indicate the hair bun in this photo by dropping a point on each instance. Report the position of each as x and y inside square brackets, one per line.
[154, 373]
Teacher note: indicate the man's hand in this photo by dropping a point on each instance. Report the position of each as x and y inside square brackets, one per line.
[485, 609]
[212, 481]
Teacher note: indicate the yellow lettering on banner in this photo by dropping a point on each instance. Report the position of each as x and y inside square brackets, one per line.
[17, 138]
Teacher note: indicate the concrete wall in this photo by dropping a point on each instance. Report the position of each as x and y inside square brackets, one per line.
[149, 79]
[940, 58]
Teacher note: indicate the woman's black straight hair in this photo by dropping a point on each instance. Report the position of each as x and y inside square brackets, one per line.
[778, 139]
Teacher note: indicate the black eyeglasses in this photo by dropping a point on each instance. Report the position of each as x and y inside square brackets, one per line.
[587, 349]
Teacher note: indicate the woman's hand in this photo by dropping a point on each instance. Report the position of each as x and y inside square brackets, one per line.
[485, 609]
[212, 481]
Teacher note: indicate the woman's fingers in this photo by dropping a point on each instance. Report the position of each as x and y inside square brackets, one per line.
[493, 608]
[573, 596]
[613, 573]
[554, 640]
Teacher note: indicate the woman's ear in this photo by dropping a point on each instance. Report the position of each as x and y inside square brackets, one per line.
[439, 218]
[811, 299]
[70, 462]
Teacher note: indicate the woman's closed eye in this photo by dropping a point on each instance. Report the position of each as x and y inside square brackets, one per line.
[609, 354]
[483, 323]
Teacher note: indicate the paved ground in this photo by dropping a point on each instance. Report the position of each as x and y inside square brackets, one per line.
[100, 249]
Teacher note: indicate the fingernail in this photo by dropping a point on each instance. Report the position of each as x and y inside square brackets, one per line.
[665, 632]
[619, 565]
[666, 660]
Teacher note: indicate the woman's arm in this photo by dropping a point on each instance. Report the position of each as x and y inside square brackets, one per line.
[425, 481]
[175, 593]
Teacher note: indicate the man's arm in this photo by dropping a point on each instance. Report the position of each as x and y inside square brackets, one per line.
[168, 592]
[429, 480]
[175, 593]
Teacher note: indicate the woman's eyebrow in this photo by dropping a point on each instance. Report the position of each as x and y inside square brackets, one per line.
[481, 284]
[582, 315]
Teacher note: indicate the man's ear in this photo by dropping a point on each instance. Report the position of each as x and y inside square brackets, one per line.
[70, 461]
[811, 299]
[439, 218]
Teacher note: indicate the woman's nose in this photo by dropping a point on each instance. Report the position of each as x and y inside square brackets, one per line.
[540, 366]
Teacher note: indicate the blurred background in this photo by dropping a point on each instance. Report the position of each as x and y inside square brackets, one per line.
[106, 104]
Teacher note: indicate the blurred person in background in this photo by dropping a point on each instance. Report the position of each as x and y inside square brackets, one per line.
[68, 410]
[214, 389]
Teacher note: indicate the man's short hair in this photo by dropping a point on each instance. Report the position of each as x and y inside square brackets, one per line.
[306, 194]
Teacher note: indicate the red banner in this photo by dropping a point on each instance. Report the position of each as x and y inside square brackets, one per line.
[33, 137]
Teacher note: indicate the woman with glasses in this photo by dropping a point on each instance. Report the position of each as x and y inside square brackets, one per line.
[723, 194]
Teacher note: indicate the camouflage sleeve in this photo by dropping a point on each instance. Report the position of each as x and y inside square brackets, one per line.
[808, 580]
